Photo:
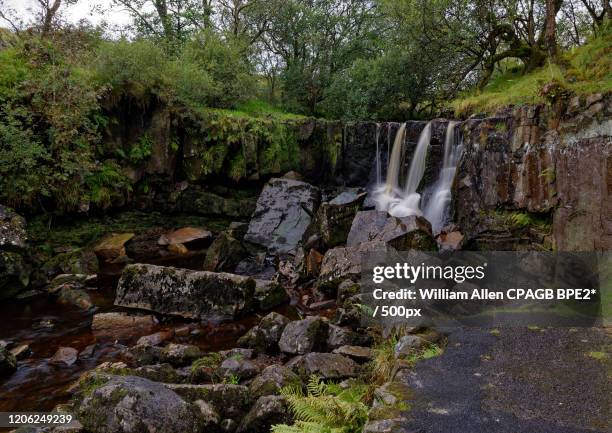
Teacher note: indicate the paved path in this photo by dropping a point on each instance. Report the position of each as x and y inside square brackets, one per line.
[520, 381]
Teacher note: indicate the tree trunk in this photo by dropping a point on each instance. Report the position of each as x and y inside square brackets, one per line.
[550, 30]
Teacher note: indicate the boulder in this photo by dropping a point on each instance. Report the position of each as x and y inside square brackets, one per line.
[224, 254]
[267, 411]
[450, 239]
[230, 401]
[195, 200]
[343, 263]
[264, 336]
[112, 246]
[239, 368]
[180, 354]
[15, 271]
[21, 352]
[332, 222]
[339, 336]
[130, 404]
[269, 294]
[405, 233]
[116, 323]
[282, 215]
[327, 366]
[181, 292]
[65, 355]
[155, 339]
[75, 297]
[66, 281]
[358, 353]
[272, 379]
[191, 237]
[209, 416]
[8, 362]
[408, 344]
[304, 336]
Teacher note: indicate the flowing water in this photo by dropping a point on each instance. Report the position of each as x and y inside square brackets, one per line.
[438, 205]
[401, 202]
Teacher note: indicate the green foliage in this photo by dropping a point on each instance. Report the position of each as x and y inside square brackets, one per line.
[142, 149]
[106, 184]
[232, 379]
[211, 360]
[325, 408]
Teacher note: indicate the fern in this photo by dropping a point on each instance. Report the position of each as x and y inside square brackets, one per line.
[325, 408]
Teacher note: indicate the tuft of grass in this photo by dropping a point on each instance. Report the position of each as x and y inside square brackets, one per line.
[212, 360]
[600, 356]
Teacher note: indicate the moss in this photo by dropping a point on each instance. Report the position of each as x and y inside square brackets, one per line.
[600, 356]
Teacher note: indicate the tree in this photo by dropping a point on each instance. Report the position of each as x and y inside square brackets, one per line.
[46, 14]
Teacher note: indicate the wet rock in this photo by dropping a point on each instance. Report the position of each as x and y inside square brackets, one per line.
[130, 404]
[346, 289]
[8, 362]
[155, 339]
[333, 220]
[264, 337]
[269, 294]
[88, 351]
[293, 175]
[391, 394]
[65, 355]
[237, 230]
[160, 373]
[322, 305]
[190, 237]
[181, 292]
[450, 239]
[178, 249]
[303, 336]
[21, 352]
[75, 297]
[238, 353]
[121, 323]
[339, 336]
[230, 401]
[267, 411]
[66, 281]
[112, 247]
[313, 263]
[272, 379]
[358, 353]
[366, 226]
[343, 263]
[283, 213]
[239, 368]
[224, 253]
[324, 365]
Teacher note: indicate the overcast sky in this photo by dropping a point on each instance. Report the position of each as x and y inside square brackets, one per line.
[84, 9]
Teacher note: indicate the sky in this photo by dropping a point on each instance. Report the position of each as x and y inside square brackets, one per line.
[84, 9]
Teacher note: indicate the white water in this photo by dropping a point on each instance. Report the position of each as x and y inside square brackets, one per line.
[407, 201]
[389, 197]
[438, 205]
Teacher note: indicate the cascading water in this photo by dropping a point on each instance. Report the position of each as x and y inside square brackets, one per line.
[389, 197]
[438, 205]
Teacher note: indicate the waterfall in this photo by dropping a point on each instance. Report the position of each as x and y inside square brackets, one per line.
[390, 197]
[378, 163]
[438, 205]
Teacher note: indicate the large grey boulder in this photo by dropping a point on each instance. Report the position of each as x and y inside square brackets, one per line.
[267, 411]
[12, 230]
[324, 365]
[181, 292]
[405, 233]
[303, 336]
[282, 215]
[230, 401]
[130, 404]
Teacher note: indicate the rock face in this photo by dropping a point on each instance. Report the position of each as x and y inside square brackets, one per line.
[185, 293]
[130, 404]
[303, 336]
[282, 215]
[14, 266]
[551, 176]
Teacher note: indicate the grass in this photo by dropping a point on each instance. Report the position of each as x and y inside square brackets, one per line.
[583, 70]
[600, 356]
